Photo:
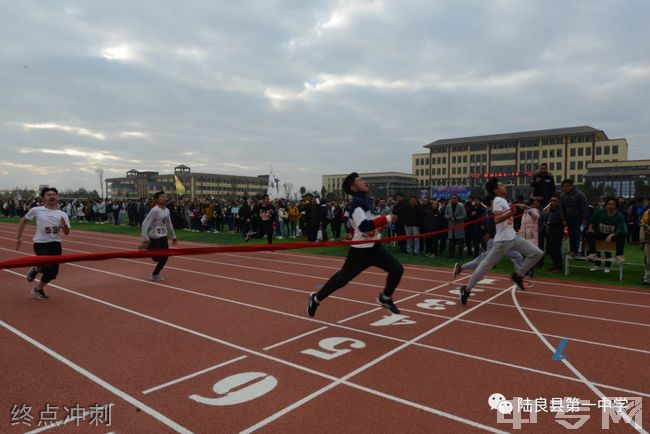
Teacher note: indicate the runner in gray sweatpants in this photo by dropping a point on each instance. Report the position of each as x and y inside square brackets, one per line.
[505, 240]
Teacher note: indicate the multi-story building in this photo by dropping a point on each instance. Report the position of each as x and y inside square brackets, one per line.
[622, 176]
[513, 157]
[139, 184]
[381, 184]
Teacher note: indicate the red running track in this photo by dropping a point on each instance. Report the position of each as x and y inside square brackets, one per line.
[224, 345]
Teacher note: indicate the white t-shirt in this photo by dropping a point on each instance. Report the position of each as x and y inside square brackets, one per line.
[48, 223]
[505, 229]
[157, 224]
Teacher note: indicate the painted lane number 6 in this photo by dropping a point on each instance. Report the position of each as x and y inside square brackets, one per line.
[230, 392]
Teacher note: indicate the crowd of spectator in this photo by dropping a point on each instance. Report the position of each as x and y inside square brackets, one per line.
[553, 216]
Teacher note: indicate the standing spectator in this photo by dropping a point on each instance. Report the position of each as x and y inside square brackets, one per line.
[609, 225]
[475, 211]
[644, 205]
[573, 206]
[554, 232]
[117, 208]
[294, 215]
[428, 221]
[543, 185]
[312, 218]
[338, 220]
[399, 210]
[644, 235]
[455, 215]
[283, 220]
[530, 226]
[412, 223]
[244, 214]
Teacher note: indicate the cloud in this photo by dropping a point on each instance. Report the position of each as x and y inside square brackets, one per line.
[66, 128]
[307, 88]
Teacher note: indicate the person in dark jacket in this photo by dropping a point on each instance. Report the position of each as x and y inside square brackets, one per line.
[543, 185]
[412, 222]
[312, 218]
[554, 232]
[399, 210]
[475, 211]
[575, 214]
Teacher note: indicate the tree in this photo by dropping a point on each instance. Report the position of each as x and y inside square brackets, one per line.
[609, 191]
[303, 190]
[323, 192]
[592, 194]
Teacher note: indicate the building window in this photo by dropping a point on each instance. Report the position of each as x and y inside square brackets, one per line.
[453, 160]
[580, 179]
[572, 165]
[558, 179]
[606, 150]
[552, 153]
[559, 166]
[573, 152]
[552, 166]
[588, 152]
[614, 149]
[598, 150]
[559, 153]
[580, 165]
[580, 152]
[544, 154]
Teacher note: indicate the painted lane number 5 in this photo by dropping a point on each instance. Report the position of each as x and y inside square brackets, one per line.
[330, 346]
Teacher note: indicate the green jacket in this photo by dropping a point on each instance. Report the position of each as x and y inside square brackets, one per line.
[605, 224]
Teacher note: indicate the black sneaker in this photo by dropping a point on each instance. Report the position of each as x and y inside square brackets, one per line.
[312, 305]
[32, 274]
[464, 294]
[519, 281]
[39, 294]
[387, 302]
[457, 269]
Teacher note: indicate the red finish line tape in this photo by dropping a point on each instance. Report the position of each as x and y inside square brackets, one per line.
[31, 261]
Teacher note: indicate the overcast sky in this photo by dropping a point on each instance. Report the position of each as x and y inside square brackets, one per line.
[306, 87]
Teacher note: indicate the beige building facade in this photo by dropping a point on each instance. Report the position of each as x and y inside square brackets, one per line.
[140, 184]
[514, 157]
[381, 184]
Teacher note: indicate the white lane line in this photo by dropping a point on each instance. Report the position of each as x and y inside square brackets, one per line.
[432, 269]
[361, 331]
[256, 268]
[568, 364]
[260, 354]
[295, 338]
[95, 379]
[401, 300]
[367, 366]
[192, 375]
[336, 297]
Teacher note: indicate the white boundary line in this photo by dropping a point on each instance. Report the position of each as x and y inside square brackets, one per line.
[339, 298]
[361, 331]
[95, 379]
[368, 365]
[192, 375]
[295, 338]
[252, 258]
[266, 356]
[568, 364]
[349, 299]
[432, 269]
